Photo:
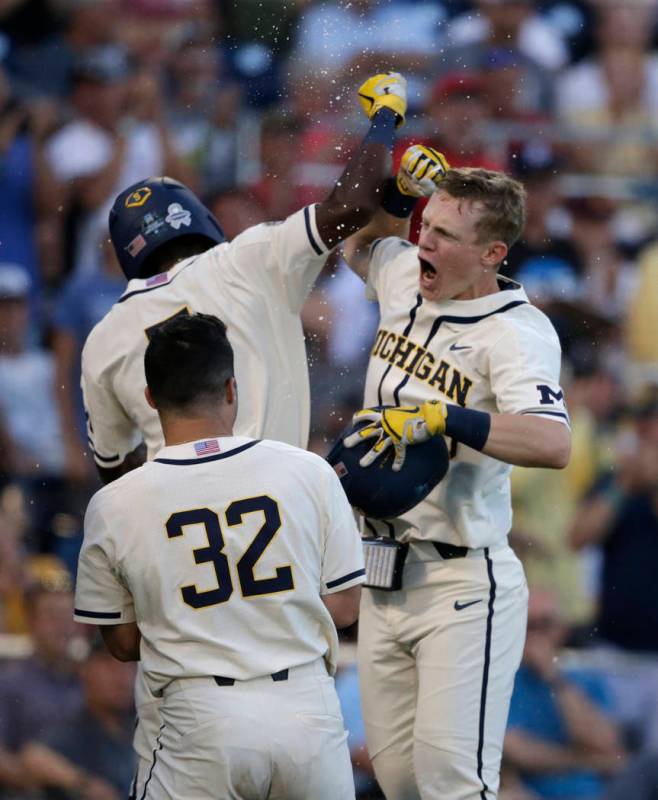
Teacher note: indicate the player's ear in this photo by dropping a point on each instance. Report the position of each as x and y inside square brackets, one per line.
[493, 254]
[149, 397]
[231, 391]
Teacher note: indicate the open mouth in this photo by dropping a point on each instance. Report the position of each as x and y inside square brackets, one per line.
[426, 269]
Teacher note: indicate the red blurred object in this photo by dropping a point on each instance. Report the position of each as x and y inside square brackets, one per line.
[461, 83]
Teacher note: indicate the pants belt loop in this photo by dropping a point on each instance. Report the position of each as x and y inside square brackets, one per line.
[448, 551]
[220, 680]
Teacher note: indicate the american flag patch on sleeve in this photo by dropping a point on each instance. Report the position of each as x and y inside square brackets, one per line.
[207, 447]
[156, 280]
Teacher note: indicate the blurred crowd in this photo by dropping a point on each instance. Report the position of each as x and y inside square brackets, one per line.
[252, 104]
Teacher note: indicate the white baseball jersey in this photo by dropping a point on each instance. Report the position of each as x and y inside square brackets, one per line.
[220, 550]
[256, 285]
[496, 353]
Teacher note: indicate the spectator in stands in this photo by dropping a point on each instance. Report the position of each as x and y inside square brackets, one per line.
[83, 301]
[510, 23]
[608, 278]
[515, 106]
[620, 516]
[572, 21]
[150, 29]
[29, 422]
[610, 100]
[101, 150]
[40, 693]
[43, 68]
[548, 265]
[278, 190]
[559, 739]
[496, 38]
[544, 501]
[204, 111]
[457, 115]
[28, 193]
[341, 40]
[640, 323]
[238, 210]
[92, 755]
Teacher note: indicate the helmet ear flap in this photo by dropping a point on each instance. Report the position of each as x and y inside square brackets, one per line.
[378, 491]
[153, 212]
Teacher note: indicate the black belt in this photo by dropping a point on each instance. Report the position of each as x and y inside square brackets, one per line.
[450, 550]
[282, 675]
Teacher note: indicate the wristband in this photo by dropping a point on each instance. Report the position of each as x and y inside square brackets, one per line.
[395, 203]
[468, 426]
[382, 129]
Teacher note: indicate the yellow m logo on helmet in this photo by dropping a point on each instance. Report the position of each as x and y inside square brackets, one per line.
[138, 197]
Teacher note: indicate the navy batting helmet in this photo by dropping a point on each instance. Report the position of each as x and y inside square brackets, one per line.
[152, 213]
[377, 491]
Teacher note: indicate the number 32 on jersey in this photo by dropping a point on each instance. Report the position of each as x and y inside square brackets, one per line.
[250, 585]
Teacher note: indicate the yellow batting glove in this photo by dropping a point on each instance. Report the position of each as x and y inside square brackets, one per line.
[421, 171]
[398, 426]
[386, 90]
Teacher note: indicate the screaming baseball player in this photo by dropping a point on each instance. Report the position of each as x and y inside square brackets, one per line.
[460, 353]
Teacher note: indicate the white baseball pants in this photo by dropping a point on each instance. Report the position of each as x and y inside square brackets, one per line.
[437, 661]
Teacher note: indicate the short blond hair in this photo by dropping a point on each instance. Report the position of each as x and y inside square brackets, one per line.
[502, 199]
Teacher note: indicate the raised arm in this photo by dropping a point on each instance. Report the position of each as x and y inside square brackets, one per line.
[421, 170]
[356, 196]
[356, 249]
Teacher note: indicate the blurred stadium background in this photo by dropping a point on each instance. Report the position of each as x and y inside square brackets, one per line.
[252, 104]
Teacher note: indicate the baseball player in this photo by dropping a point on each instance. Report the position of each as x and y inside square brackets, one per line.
[460, 352]
[173, 252]
[226, 563]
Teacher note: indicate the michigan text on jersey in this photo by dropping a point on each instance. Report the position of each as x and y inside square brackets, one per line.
[418, 362]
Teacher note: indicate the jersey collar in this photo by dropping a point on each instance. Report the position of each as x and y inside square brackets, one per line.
[511, 292]
[202, 450]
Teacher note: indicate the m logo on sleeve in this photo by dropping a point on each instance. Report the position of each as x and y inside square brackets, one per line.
[548, 396]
